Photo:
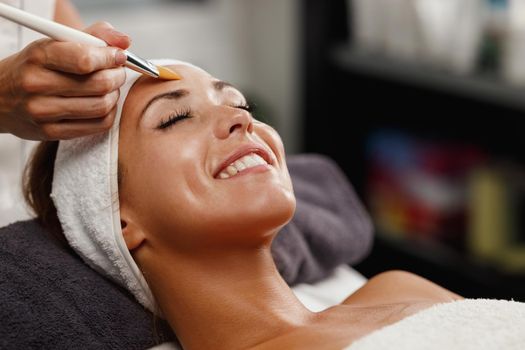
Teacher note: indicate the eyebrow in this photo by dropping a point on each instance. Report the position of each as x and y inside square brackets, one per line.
[219, 85]
[171, 95]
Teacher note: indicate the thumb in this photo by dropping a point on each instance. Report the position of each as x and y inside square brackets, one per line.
[106, 32]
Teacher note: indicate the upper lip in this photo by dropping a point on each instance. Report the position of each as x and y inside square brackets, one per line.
[241, 152]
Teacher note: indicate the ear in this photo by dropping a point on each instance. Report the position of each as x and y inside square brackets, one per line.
[133, 234]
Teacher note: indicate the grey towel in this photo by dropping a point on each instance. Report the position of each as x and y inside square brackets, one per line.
[50, 299]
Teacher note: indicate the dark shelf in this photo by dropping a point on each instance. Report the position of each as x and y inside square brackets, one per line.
[376, 92]
[444, 266]
[484, 88]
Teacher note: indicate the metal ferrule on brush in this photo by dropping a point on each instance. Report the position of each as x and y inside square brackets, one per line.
[141, 65]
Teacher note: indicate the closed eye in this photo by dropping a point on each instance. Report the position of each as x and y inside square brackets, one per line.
[186, 114]
[173, 119]
[246, 107]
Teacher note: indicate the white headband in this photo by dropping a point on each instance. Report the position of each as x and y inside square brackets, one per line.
[85, 193]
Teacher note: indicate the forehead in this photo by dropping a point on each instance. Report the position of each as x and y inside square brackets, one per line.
[145, 88]
[192, 77]
[197, 86]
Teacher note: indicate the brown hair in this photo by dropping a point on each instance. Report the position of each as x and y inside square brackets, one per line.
[37, 181]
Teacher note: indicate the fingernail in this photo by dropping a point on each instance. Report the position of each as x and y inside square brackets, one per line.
[119, 34]
[120, 58]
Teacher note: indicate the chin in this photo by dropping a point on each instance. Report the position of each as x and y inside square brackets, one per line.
[275, 212]
[255, 216]
[280, 213]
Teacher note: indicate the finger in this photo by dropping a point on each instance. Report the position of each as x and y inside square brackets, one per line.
[80, 59]
[53, 83]
[46, 109]
[106, 32]
[68, 129]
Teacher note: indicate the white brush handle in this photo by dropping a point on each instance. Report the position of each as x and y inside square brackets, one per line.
[52, 29]
[61, 32]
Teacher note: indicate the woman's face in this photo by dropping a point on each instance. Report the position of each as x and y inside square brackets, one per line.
[196, 168]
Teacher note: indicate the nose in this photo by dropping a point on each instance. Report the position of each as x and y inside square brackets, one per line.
[231, 121]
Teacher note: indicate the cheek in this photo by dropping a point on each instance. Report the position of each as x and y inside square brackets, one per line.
[166, 182]
[270, 137]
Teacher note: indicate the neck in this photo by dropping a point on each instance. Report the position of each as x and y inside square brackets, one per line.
[225, 299]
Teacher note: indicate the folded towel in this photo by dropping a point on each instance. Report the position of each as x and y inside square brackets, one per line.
[85, 193]
[470, 324]
[50, 299]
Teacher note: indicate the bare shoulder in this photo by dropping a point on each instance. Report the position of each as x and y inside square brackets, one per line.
[385, 299]
[399, 286]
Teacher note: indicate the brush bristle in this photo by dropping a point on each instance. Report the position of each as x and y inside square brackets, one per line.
[168, 74]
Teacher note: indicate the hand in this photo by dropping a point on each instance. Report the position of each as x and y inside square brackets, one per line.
[55, 90]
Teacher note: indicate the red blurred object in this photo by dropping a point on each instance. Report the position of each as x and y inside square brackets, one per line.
[419, 188]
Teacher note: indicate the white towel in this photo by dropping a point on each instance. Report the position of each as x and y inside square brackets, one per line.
[85, 193]
[470, 324]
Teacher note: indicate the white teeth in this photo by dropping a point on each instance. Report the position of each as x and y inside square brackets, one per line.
[239, 165]
[231, 170]
[258, 159]
[248, 161]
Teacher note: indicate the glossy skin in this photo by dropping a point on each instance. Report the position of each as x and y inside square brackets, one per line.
[178, 166]
[55, 90]
[203, 242]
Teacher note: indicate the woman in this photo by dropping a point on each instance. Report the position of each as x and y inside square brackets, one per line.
[203, 189]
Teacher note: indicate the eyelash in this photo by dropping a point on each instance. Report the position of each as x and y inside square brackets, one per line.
[174, 118]
[186, 114]
[248, 108]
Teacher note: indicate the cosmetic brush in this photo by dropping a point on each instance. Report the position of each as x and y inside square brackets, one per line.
[61, 32]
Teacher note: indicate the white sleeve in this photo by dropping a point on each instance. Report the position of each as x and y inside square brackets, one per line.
[14, 151]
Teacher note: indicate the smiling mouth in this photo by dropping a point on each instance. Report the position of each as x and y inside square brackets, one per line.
[249, 161]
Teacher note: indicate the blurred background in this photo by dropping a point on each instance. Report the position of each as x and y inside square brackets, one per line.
[421, 102]
[252, 44]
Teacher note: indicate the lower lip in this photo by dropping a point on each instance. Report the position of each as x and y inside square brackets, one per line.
[253, 170]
